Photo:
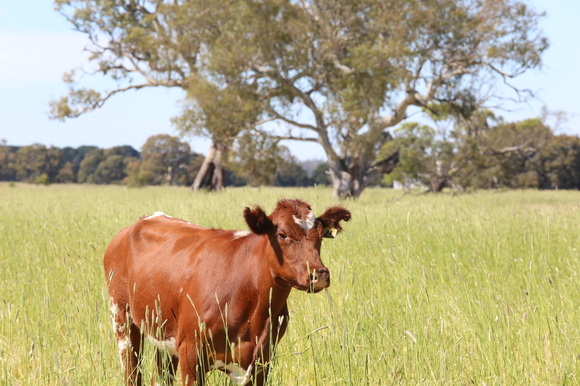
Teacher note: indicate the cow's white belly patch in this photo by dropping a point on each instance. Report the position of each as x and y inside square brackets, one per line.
[165, 345]
[237, 374]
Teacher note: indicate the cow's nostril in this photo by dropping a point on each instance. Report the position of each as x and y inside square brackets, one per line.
[323, 272]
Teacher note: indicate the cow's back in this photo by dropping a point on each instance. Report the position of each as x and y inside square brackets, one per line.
[150, 264]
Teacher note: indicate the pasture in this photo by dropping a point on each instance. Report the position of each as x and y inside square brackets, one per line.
[478, 289]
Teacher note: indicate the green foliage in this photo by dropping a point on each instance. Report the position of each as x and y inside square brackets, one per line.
[165, 161]
[216, 111]
[418, 151]
[89, 165]
[111, 170]
[76, 155]
[290, 173]
[7, 165]
[522, 154]
[42, 179]
[31, 162]
[560, 163]
[67, 173]
[256, 158]
[320, 175]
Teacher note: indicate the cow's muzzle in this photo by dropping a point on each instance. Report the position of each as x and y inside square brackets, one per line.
[319, 279]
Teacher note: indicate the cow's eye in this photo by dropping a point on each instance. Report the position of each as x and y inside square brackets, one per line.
[282, 236]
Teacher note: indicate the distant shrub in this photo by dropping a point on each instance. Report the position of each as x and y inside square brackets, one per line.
[42, 179]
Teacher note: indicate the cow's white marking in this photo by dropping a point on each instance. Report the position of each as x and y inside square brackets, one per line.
[157, 214]
[239, 234]
[165, 345]
[237, 374]
[307, 223]
[117, 328]
[122, 344]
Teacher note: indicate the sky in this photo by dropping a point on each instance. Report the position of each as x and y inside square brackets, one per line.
[37, 46]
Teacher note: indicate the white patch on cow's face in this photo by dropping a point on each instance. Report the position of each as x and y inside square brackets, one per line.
[239, 234]
[237, 374]
[307, 223]
[156, 214]
[165, 345]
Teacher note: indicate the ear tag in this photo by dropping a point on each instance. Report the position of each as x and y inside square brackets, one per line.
[329, 233]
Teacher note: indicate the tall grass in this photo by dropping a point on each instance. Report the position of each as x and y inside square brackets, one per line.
[477, 289]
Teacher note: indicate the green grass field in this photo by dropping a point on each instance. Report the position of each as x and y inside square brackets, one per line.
[479, 289]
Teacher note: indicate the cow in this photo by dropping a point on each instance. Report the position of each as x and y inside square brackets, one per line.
[213, 299]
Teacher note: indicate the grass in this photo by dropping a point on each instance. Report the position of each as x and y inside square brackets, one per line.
[478, 289]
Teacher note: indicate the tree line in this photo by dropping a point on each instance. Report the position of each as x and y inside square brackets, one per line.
[484, 152]
[163, 160]
[478, 151]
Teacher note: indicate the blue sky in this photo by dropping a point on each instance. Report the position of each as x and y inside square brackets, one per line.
[37, 46]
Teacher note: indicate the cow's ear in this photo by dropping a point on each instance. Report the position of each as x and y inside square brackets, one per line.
[257, 220]
[331, 220]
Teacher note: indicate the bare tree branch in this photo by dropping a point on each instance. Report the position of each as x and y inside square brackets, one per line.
[279, 116]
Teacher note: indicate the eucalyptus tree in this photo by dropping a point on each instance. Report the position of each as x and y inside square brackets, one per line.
[342, 73]
[168, 156]
[152, 43]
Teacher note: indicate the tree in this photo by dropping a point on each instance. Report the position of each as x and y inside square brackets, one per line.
[560, 160]
[152, 43]
[75, 155]
[509, 154]
[487, 153]
[289, 172]
[37, 161]
[417, 149]
[89, 165]
[111, 170]
[321, 174]
[220, 112]
[256, 158]
[7, 156]
[67, 173]
[166, 158]
[357, 67]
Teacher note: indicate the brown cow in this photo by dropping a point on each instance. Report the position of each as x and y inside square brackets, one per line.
[214, 299]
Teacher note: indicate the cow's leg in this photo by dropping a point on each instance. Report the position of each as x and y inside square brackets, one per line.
[193, 368]
[128, 343]
[166, 366]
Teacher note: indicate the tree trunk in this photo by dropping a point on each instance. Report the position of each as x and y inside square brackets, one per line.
[211, 175]
[169, 176]
[442, 179]
[349, 179]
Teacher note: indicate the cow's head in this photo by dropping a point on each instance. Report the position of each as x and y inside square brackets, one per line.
[295, 234]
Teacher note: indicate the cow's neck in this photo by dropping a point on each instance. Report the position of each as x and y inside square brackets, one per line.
[272, 292]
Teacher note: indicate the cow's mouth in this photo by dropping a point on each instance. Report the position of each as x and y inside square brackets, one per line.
[318, 281]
